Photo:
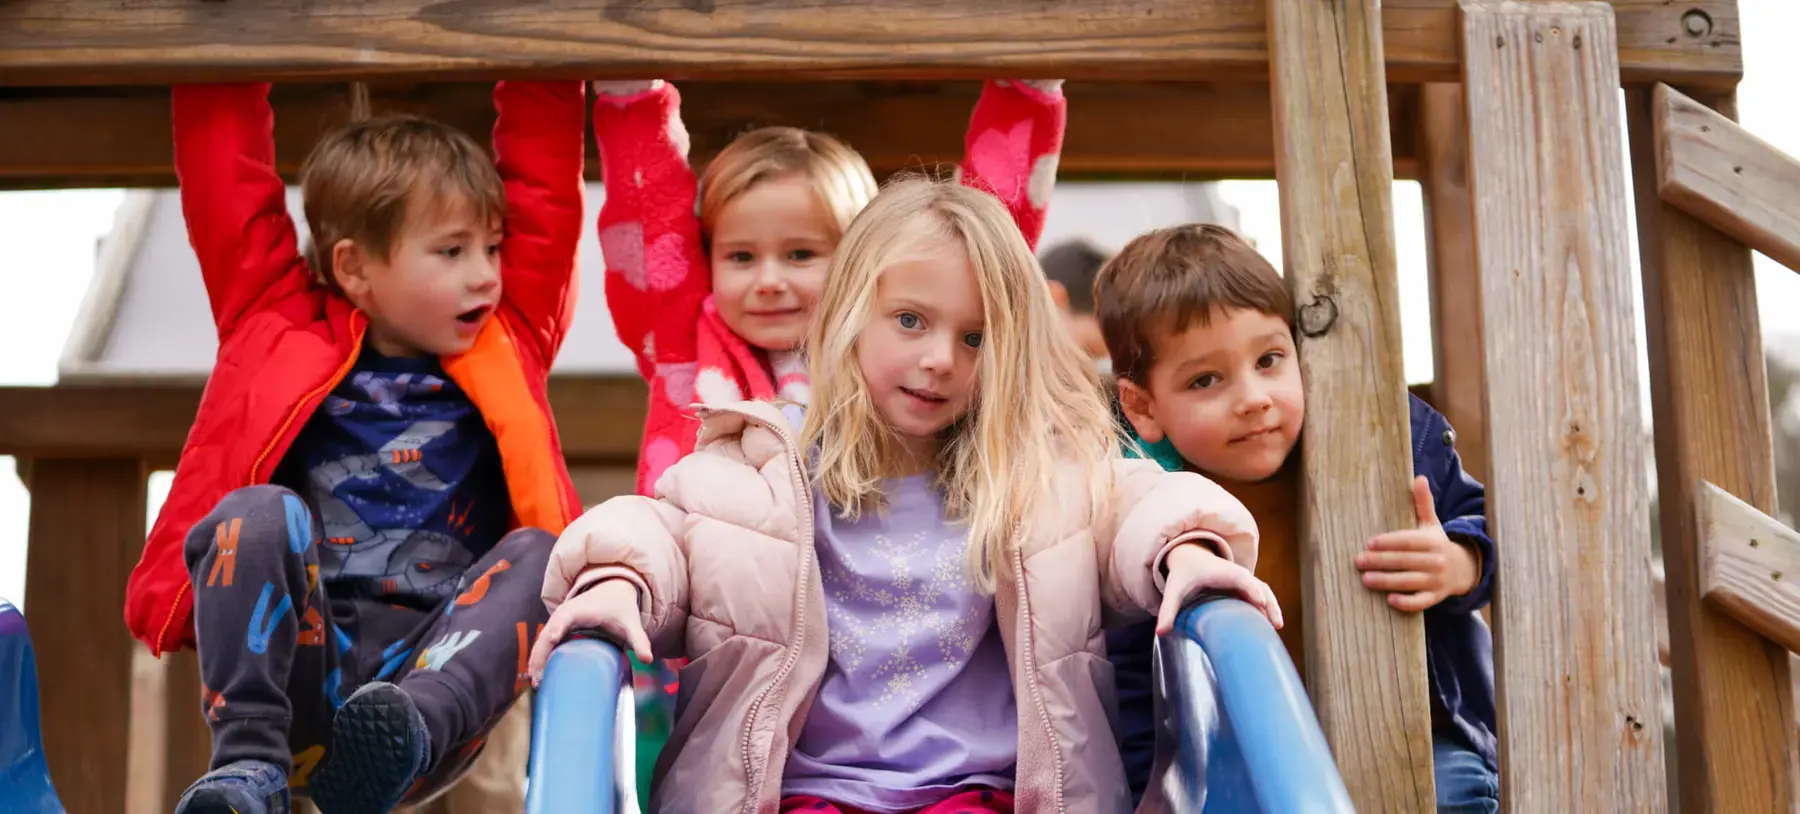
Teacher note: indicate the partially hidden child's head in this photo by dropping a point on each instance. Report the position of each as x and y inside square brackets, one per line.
[405, 217]
[1199, 328]
[1071, 267]
[943, 354]
[774, 204]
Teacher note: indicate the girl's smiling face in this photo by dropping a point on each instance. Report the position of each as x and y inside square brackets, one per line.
[919, 352]
[770, 248]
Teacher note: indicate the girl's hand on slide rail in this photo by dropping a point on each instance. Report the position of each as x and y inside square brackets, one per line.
[611, 606]
[1194, 569]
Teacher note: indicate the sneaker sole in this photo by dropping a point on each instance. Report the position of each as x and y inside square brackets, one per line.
[220, 801]
[369, 767]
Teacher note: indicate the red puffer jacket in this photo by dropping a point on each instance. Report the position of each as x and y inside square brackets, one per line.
[285, 342]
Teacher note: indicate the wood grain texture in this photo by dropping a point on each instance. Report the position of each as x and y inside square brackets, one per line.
[1579, 703]
[1733, 694]
[72, 137]
[86, 528]
[600, 419]
[1749, 565]
[1731, 180]
[1459, 380]
[1364, 661]
[87, 42]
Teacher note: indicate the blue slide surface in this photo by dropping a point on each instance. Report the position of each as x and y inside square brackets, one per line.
[24, 778]
[1230, 706]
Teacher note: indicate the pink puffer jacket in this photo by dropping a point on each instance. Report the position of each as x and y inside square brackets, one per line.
[725, 561]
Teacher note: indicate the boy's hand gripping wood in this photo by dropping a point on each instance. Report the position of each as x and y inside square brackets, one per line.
[1365, 662]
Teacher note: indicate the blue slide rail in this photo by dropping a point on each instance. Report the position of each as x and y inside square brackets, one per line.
[1245, 735]
[25, 786]
[1230, 704]
[582, 732]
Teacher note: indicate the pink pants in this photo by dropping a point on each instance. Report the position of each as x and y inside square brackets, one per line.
[969, 802]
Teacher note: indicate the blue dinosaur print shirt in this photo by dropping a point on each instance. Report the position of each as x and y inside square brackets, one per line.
[405, 480]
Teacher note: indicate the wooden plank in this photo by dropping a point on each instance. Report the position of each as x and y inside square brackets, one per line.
[1731, 180]
[1579, 701]
[188, 738]
[1365, 662]
[599, 418]
[122, 136]
[1733, 695]
[86, 528]
[1749, 565]
[1459, 382]
[95, 42]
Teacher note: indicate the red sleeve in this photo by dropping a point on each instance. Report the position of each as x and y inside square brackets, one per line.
[538, 151]
[657, 273]
[1015, 139]
[234, 203]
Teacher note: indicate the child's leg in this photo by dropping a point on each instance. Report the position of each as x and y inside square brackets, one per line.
[411, 739]
[1466, 784]
[260, 626]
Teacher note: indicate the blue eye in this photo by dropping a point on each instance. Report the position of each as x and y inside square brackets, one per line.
[973, 340]
[910, 321]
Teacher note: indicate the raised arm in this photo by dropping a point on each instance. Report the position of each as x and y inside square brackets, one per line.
[1014, 142]
[657, 274]
[538, 151]
[234, 203]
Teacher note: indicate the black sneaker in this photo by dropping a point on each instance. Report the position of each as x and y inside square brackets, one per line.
[244, 787]
[379, 748]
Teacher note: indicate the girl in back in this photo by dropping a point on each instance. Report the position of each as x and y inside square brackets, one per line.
[893, 600]
[714, 300]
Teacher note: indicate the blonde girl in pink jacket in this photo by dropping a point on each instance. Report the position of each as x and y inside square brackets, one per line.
[894, 603]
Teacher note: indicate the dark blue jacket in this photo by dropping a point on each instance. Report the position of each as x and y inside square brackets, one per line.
[1459, 648]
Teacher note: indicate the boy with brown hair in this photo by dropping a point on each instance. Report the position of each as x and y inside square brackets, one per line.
[357, 532]
[1200, 328]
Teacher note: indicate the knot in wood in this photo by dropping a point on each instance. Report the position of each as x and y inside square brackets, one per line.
[1318, 316]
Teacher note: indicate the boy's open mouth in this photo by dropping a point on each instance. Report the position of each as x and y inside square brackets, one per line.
[473, 315]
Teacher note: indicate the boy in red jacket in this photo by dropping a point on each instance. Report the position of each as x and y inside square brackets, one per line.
[372, 485]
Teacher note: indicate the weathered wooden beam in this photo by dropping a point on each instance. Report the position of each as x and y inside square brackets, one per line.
[1459, 382]
[87, 42]
[1731, 180]
[1365, 662]
[87, 526]
[1576, 669]
[1733, 695]
[92, 137]
[600, 419]
[1749, 565]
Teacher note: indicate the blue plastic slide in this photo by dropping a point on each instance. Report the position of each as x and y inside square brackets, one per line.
[24, 778]
[1229, 703]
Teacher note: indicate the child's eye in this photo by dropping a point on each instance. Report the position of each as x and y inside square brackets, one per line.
[1203, 381]
[910, 321]
[451, 252]
[738, 257]
[972, 339]
[493, 250]
[802, 255]
[1269, 360]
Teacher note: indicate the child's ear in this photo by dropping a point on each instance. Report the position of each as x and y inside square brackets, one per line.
[1136, 402]
[1059, 294]
[348, 269]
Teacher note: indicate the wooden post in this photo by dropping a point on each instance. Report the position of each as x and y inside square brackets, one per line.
[1733, 696]
[1366, 662]
[1568, 504]
[189, 739]
[1458, 383]
[86, 529]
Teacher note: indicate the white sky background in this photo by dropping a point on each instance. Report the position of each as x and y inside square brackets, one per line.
[50, 241]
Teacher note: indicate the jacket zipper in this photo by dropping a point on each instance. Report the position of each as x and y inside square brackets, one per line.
[356, 337]
[1031, 682]
[794, 647]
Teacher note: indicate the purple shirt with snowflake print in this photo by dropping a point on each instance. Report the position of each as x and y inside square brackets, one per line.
[917, 701]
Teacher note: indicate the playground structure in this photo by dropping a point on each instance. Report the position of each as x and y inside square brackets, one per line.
[1533, 319]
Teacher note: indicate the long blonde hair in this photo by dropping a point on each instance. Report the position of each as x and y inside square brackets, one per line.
[1038, 405]
[838, 174]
